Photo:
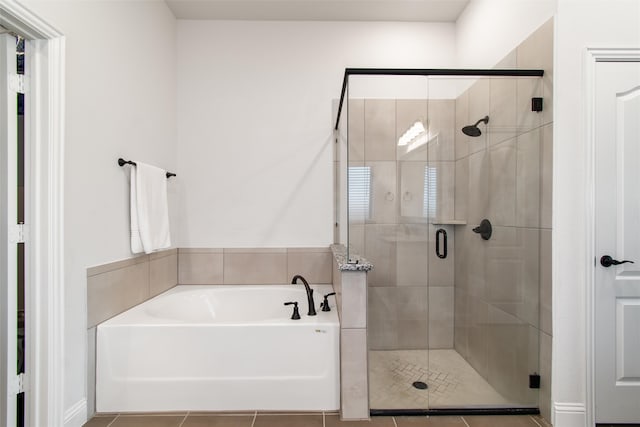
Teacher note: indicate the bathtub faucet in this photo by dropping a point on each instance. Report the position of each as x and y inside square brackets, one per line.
[312, 305]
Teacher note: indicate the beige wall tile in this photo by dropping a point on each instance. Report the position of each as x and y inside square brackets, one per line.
[460, 259]
[502, 115]
[462, 120]
[380, 250]
[442, 120]
[412, 303]
[441, 317]
[461, 192]
[112, 266]
[413, 334]
[479, 107]
[163, 274]
[316, 267]
[162, 254]
[460, 322]
[115, 291]
[383, 192]
[356, 129]
[354, 373]
[411, 189]
[380, 129]
[511, 352]
[255, 250]
[536, 52]
[354, 299]
[476, 253]
[512, 281]
[445, 190]
[383, 319]
[411, 250]
[478, 189]
[546, 176]
[200, 251]
[255, 268]
[409, 111]
[200, 268]
[528, 88]
[477, 345]
[545, 282]
[502, 184]
[528, 180]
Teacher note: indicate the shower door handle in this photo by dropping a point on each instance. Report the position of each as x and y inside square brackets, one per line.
[442, 254]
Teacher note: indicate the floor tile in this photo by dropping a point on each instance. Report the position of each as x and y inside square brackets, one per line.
[432, 421]
[100, 421]
[148, 421]
[218, 421]
[500, 421]
[288, 420]
[334, 421]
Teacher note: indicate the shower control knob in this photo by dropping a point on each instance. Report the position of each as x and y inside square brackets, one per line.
[607, 261]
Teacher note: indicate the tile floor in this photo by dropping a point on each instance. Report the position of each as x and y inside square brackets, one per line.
[308, 420]
[451, 380]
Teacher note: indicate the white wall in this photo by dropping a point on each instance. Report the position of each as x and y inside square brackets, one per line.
[120, 98]
[579, 24]
[255, 127]
[488, 30]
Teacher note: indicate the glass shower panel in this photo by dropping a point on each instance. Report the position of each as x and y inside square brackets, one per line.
[389, 206]
[484, 294]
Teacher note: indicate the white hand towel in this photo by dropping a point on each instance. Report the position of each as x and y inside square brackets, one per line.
[149, 209]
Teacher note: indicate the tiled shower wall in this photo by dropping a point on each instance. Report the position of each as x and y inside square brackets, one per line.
[410, 299]
[503, 285]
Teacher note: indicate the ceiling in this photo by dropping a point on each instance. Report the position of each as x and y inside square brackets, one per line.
[320, 10]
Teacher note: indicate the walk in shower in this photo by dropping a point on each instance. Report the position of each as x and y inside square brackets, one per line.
[440, 185]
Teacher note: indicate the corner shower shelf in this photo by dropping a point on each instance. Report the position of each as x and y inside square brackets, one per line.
[449, 222]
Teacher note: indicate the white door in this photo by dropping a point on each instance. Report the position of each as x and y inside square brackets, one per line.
[617, 235]
[8, 228]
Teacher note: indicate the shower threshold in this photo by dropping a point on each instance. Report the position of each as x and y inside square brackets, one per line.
[453, 411]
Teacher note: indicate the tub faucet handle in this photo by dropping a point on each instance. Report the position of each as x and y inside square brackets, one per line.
[296, 313]
[325, 304]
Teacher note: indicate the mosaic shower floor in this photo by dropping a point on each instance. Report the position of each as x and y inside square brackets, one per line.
[451, 381]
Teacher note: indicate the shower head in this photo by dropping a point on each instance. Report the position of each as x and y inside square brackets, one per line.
[473, 130]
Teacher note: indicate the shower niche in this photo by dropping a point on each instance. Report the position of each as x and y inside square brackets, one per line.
[425, 157]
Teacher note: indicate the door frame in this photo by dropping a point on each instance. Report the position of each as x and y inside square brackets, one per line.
[592, 56]
[45, 260]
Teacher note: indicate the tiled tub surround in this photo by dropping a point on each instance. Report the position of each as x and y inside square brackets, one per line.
[115, 287]
[220, 348]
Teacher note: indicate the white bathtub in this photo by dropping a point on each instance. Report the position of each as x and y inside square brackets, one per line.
[220, 348]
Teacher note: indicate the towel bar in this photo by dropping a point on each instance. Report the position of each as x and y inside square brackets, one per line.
[123, 162]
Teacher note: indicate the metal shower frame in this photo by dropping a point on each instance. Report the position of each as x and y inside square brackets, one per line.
[428, 72]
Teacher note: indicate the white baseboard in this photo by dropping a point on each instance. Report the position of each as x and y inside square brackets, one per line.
[569, 415]
[76, 416]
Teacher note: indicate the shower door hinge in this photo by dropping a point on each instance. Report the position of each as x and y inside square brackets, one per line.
[19, 384]
[17, 233]
[18, 83]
